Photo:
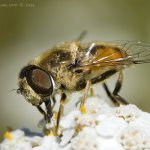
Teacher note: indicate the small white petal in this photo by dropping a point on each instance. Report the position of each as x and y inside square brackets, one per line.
[110, 144]
[96, 105]
[49, 143]
[66, 137]
[87, 139]
[110, 126]
[68, 120]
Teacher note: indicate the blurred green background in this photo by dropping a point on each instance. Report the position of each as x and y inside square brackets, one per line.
[28, 27]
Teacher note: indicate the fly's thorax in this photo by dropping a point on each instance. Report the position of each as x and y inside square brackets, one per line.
[66, 79]
[58, 55]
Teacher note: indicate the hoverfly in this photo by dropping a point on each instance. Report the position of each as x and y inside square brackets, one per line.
[74, 66]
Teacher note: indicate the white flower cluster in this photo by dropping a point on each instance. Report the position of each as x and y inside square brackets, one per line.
[103, 127]
[19, 141]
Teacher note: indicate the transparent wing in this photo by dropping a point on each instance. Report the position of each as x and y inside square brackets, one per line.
[138, 51]
[125, 53]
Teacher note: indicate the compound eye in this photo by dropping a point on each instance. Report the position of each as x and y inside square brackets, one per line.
[41, 79]
[38, 79]
[41, 82]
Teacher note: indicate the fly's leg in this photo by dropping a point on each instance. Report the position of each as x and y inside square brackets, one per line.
[91, 92]
[40, 109]
[60, 112]
[118, 88]
[82, 35]
[115, 97]
[47, 116]
[82, 107]
[43, 121]
[54, 102]
[110, 95]
[49, 111]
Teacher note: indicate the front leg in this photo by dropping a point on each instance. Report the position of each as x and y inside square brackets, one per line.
[40, 109]
[49, 111]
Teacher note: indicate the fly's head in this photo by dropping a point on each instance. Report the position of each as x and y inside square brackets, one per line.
[35, 84]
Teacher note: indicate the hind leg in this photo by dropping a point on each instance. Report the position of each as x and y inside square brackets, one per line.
[114, 96]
